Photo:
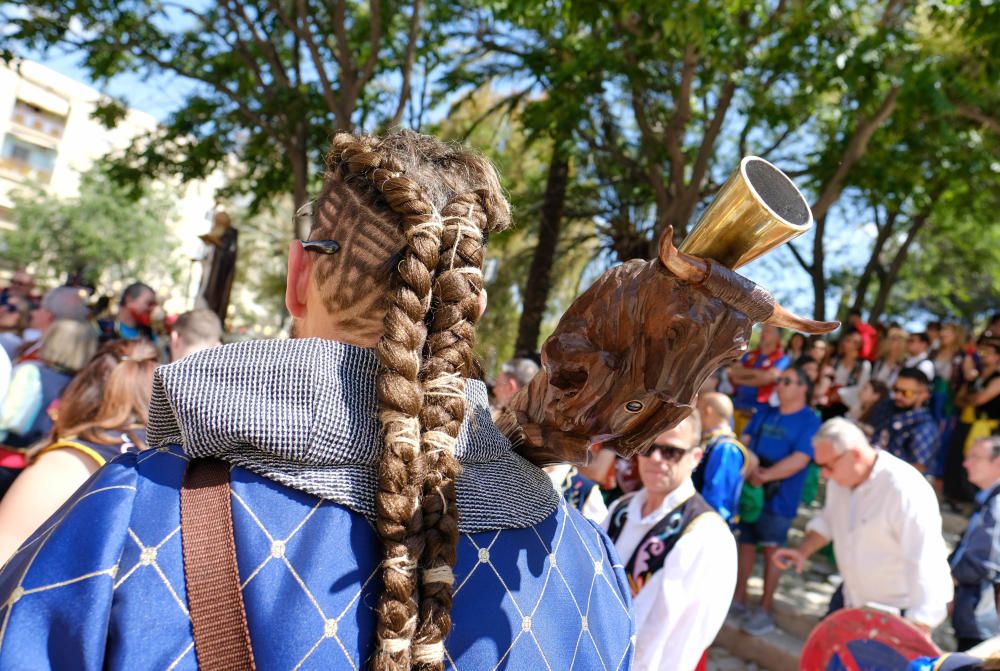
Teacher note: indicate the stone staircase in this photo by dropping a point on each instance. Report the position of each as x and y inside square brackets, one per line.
[799, 603]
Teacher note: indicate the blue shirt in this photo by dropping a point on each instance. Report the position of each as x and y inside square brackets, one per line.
[774, 436]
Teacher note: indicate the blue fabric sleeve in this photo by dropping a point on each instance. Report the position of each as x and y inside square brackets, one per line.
[924, 443]
[722, 479]
[981, 560]
[57, 589]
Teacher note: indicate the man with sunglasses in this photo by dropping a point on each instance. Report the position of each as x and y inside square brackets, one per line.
[905, 426]
[680, 557]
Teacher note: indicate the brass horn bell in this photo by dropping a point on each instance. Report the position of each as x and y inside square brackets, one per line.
[756, 210]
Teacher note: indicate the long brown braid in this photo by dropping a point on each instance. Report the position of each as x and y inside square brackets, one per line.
[449, 360]
[421, 382]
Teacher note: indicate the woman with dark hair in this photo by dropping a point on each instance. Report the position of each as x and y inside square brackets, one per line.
[796, 347]
[102, 413]
[841, 380]
[978, 398]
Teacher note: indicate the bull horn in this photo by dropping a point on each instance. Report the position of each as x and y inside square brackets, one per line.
[684, 266]
[785, 319]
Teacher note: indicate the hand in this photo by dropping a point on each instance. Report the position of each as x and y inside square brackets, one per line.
[786, 558]
[755, 479]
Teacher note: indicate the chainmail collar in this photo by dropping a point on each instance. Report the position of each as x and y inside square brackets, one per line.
[304, 413]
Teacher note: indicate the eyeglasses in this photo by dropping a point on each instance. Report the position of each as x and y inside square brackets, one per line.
[670, 453]
[321, 246]
[905, 393]
[830, 466]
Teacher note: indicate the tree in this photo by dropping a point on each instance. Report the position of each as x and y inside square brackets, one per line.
[103, 233]
[274, 78]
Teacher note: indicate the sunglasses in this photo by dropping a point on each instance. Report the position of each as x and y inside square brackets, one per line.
[321, 246]
[670, 453]
[788, 381]
[905, 393]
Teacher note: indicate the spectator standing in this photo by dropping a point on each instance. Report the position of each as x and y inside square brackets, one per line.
[884, 521]
[22, 286]
[869, 338]
[918, 348]
[15, 317]
[754, 378]
[933, 331]
[819, 350]
[869, 398]
[725, 462]
[947, 358]
[102, 413]
[975, 564]
[891, 356]
[35, 385]
[61, 303]
[797, 346]
[841, 381]
[680, 557]
[781, 438]
[195, 331]
[979, 399]
[134, 317]
[514, 375]
[905, 426]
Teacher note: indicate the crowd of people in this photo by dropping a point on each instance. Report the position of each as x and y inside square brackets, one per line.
[317, 481]
[898, 423]
[74, 391]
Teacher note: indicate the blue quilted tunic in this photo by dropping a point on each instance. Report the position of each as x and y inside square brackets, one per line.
[101, 584]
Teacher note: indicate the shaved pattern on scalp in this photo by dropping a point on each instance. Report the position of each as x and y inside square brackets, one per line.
[371, 242]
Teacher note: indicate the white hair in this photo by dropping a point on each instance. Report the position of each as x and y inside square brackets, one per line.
[842, 434]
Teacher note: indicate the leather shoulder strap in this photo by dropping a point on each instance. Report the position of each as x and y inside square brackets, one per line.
[211, 576]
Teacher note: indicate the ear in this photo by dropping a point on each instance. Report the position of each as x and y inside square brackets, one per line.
[696, 455]
[482, 301]
[297, 283]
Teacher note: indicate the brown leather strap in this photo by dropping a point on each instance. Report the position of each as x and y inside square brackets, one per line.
[215, 601]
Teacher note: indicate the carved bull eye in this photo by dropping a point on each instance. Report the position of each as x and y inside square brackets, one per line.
[633, 406]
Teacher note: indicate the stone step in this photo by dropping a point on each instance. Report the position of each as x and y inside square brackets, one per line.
[776, 651]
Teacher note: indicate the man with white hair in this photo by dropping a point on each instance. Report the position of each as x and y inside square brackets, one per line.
[883, 519]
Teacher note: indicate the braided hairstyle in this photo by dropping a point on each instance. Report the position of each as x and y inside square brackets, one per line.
[415, 214]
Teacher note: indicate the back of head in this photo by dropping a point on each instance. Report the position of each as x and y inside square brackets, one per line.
[720, 404]
[411, 216]
[199, 328]
[66, 303]
[110, 394]
[68, 344]
[521, 370]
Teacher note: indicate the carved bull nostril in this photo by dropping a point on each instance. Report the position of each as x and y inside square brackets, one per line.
[633, 406]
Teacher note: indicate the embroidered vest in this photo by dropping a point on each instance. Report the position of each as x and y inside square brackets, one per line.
[576, 489]
[651, 552]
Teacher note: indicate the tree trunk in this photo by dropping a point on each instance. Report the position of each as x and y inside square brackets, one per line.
[885, 286]
[536, 290]
[299, 159]
[865, 280]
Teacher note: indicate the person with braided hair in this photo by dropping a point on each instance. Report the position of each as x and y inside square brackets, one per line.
[340, 500]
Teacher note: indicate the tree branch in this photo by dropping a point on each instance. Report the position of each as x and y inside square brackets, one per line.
[975, 114]
[411, 50]
[798, 257]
